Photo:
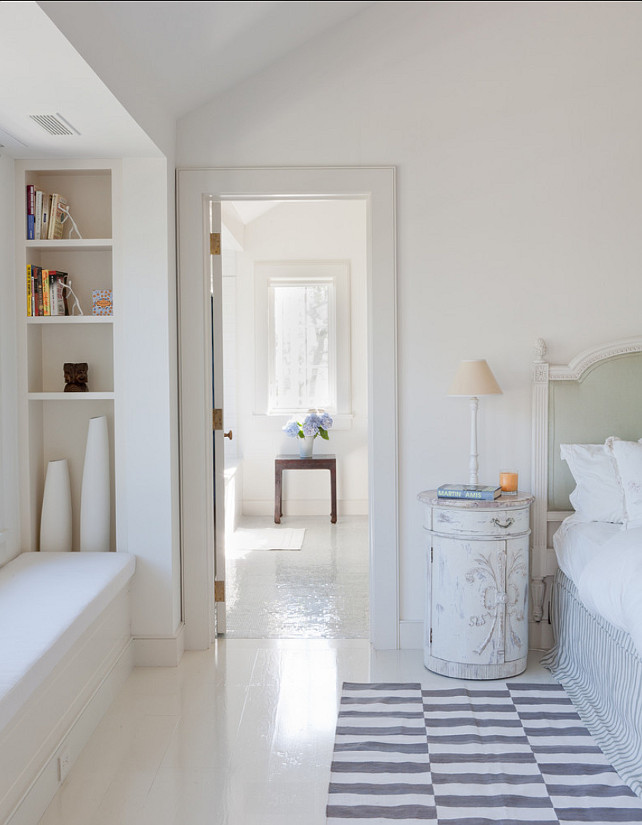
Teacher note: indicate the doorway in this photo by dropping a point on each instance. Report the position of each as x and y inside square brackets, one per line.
[195, 187]
[294, 330]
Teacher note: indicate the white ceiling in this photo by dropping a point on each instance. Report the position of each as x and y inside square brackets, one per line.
[199, 49]
[41, 74]
[188, 52]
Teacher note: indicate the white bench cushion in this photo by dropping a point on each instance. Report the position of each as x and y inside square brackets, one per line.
[47, 601]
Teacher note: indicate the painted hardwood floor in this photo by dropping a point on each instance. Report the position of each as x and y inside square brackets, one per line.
[238, 735]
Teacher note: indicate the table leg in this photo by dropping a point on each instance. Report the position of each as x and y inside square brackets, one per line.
[333, 493]
[278, 503]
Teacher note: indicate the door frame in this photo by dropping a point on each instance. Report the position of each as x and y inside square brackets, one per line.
[375, 185]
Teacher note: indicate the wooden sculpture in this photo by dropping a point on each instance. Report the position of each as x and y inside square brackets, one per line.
[75, 377]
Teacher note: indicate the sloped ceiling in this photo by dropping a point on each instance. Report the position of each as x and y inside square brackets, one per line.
[196, 50]
[42, 74]
[122, 72]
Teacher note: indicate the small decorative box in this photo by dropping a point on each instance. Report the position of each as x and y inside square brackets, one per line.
[102, 302]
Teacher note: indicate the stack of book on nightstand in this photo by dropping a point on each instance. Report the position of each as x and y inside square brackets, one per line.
[479, 492]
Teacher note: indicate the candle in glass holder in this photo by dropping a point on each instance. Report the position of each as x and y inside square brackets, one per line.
[508, 483]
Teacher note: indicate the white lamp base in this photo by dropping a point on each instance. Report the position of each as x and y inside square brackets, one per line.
[473, 466]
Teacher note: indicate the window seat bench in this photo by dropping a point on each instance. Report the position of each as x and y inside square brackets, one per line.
[65, 649]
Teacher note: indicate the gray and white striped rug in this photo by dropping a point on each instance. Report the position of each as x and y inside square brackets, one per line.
[502, 754]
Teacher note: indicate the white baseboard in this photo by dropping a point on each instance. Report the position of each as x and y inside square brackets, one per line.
[411, 635]
[311, 507]
[540, 635]
[34, 803]
[159, 651]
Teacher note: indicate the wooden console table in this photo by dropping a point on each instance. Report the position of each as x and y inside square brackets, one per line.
[293, 462]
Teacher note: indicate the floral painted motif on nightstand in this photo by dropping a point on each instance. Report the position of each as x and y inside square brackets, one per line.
[500, 601]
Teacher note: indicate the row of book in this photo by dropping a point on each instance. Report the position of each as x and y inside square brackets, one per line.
[46, 294]
[478, 492]
[45, 215]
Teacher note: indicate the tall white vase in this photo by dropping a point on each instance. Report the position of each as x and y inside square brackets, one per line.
[55, 521]
[95, 509]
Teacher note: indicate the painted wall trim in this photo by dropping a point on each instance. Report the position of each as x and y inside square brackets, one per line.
[45, 785]
[411, 635]
[377, 186]
[159, 651]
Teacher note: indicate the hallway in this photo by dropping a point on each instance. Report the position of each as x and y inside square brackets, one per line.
[318, 592]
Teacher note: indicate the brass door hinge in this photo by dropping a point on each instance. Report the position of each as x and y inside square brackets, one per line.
[215, 243]
[217, 419]
[431, 635]
[431, 554]
[219, 591]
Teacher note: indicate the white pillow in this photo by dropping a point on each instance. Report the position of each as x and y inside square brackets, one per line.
[598, 495]
[628, 455]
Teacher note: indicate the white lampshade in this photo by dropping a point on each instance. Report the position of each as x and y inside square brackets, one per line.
[474, 378]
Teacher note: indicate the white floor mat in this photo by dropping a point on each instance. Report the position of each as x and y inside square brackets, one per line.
[268, 538]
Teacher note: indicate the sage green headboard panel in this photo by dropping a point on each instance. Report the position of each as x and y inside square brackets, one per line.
[606, 401]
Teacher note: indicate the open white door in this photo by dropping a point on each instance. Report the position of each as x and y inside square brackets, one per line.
[218, 460]
[196, 189]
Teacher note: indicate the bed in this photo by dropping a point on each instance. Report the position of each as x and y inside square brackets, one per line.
[587, 539]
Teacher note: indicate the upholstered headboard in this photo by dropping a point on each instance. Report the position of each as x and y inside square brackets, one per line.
[598, 394]
[606, 400]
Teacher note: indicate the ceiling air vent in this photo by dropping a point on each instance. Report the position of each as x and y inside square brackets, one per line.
[55, 124]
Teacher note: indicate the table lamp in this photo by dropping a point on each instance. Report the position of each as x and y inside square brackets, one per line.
[472, 379]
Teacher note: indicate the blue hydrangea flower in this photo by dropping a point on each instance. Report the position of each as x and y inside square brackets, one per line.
[311, 424]
[326, 421]
[291, 428]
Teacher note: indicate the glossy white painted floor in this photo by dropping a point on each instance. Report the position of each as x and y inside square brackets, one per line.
[317, 592]
[238, 735]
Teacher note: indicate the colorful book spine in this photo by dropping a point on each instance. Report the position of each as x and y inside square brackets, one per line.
[473, 495]
[46, 303]
[29, 296]
[57, 213]
[58, 295]
[40, 306]
[38, 215]
[472, 492]
[52, 292]
[31, 212]
[44, 224]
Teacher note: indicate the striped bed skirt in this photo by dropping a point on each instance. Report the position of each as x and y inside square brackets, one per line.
[601, 670]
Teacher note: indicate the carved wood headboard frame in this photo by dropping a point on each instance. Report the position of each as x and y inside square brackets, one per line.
[543, 558]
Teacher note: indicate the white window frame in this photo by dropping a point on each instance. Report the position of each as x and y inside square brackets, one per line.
[336, 273]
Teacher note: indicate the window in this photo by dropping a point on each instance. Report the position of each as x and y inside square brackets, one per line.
[301, 344]
[303, 353]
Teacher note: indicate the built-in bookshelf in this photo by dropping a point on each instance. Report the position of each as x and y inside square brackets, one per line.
[53, 422]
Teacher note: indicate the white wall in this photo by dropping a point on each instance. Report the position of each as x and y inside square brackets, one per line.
[9, 509]
[146, 397]
[515, 133]
[330, 230]
[150, 387]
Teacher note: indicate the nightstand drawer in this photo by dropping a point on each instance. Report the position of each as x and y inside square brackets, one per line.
[490, 523]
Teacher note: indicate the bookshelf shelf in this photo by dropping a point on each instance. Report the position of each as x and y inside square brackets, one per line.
[68, 245]
[60, 320]
[54, 423]
[71, 396]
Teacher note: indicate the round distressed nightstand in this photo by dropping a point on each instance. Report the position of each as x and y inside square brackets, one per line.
[476, 624]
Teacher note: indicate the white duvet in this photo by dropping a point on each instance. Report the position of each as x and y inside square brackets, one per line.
[609, 582]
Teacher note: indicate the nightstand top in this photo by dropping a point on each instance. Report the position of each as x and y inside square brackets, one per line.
[522, 499]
